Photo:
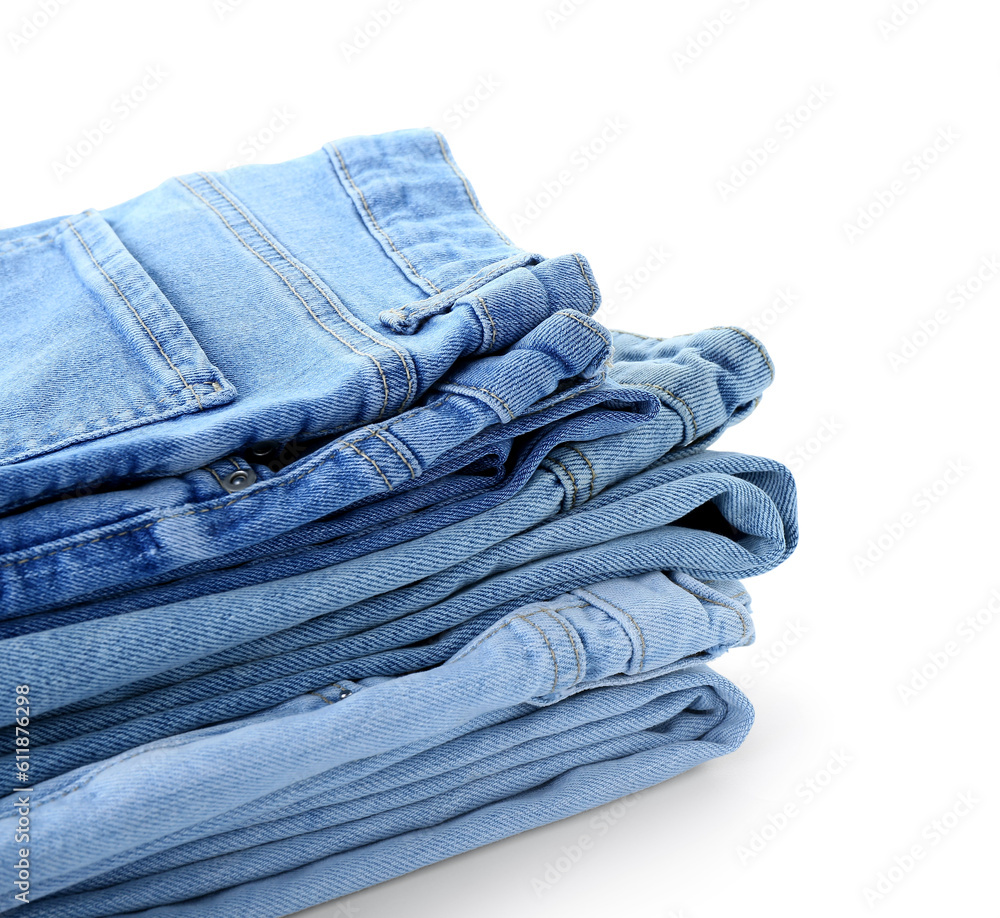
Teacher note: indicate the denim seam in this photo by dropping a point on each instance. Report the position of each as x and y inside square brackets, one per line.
[642, 637]
[694, 423]
[593, 291]
[580, 389]
[372, 527]
[468, 191]
[298, 296]
[373, 462]
[488, 392]
[272, 482]
[216, 477]
[330, 430]
[375, 222]
[385, 425]
[576, 653]
[125, 299]
[753, 341]
[140, 416]
[264, 485]
[576, 318]
[593, 474]
[510, 622]
[306, 274]
[493, 324]
[24, 242]
[453, 294]
[572, 479]
[548, 644]
[715, 602]
[376, 433]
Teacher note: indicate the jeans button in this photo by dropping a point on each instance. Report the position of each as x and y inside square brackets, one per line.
[239, 479]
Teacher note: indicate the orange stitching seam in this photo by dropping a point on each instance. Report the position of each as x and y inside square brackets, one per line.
[694, 423]
[373, 462]
[375, 223]
[586, 325]
[593, 474]
[413, 474]
[468, 190]
[302, 270]
[642, 637]
[552, 653]
[572, 479]
[576, 653]
[760, 351]
[125, 299]
[715, 602]
[298, 296]
[583, 271]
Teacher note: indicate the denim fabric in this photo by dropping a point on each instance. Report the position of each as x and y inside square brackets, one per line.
[414, 627]
[685, 718]
[707, 381]
[609, 639]
[64, 741]
[190, 523]
[170, 334]
[328, 291]
[479, 553]
[641, 524]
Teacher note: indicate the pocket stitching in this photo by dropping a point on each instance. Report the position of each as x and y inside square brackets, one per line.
[125, 299]
[298, 296]
[375, 222]
[301, 269]
[52, 437]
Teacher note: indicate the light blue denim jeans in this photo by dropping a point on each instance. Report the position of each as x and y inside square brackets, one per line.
[706, 382]
[473, 593]
[171, 335]
[713, 515]
[592, 689]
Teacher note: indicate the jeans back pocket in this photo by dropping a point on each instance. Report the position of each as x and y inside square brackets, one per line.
[89, 346]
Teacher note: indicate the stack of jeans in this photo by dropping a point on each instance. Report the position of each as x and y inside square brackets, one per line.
[337, 537]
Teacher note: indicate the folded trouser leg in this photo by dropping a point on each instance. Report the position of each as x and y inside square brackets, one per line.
[73, 739]
[598, 746]
[615, 634]
[699, 384]
[187, 518]
[644, 523]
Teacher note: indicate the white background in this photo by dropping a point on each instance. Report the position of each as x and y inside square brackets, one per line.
[865, 433]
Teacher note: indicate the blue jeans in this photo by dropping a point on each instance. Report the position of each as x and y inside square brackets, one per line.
[714, 515]
[706, 381]
[361, 285]
[348, 540]
[328, 292]
[593, 689]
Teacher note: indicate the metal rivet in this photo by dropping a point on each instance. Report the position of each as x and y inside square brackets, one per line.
[344, 694]
[239, 479]
[262, 449]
